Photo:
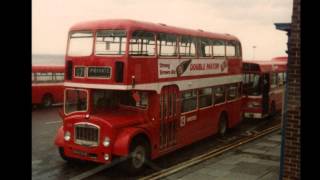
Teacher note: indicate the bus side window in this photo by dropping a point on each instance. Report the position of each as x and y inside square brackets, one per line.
[232, 92]
[219, 48]
[205, 99]
[238, 49]
[142, 44]
[231, 49]
[60, 76]
[219, 95]
[187, 46]
[189, 101]
[205, 48]
[167, 45]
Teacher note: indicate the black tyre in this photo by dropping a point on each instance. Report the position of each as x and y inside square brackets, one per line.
[139, 156]
[223, 125]
[62, 155]
[47, 101]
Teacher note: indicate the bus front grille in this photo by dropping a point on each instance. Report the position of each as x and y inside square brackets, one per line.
[86, 134]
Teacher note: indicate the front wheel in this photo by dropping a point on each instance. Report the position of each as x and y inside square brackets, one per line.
[138, 157]
[63, 156]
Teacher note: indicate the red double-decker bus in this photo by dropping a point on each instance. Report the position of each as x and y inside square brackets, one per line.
[47, 85]
[146, 89]
[264, 87]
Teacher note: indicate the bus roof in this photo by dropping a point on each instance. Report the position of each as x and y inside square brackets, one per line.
[147, 26]
[50, 68]
[275, 64]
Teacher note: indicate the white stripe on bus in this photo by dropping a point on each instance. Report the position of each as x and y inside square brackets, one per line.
[182, 84]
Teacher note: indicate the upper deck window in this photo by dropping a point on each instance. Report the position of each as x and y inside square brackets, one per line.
[167, 45]
[111, 42]
[205, 48]
[142, 44]
[231, 48]
[219, 48]
[187, 46]
[80, 44]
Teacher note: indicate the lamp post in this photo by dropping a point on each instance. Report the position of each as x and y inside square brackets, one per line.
[253, 48]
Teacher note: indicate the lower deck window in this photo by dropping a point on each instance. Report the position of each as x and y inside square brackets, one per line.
[189, 101]
[205, 97]
[219, 95]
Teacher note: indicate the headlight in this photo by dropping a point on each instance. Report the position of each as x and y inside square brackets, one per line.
[67, 136]
[106, 157]
[106, 142]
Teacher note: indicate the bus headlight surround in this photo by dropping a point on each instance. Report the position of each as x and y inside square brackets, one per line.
[67, 136]
[106, 141]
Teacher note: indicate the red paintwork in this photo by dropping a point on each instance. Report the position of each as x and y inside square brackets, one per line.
[39, 90]
[121, 125]
[276, 94]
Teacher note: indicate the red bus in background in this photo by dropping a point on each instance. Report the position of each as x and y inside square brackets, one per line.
[47, 85]
[264, 86]
[146, 89]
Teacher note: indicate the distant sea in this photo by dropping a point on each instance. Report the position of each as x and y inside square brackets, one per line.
[47, 59]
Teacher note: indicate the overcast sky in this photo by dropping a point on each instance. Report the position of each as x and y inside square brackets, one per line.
[252, 21]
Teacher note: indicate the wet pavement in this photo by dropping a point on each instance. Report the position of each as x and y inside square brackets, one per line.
[257, 160]
[47, 164]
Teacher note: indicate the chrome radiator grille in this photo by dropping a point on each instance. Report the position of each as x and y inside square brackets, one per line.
[86, 134]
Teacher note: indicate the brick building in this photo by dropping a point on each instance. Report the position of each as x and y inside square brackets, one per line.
[290, 155]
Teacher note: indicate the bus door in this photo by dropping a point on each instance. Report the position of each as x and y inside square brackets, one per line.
[265, 93]
[169, 116]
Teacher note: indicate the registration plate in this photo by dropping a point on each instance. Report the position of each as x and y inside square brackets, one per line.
[81, 153]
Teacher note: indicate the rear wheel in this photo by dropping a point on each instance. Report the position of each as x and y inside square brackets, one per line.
[223, 125]
[47, 101]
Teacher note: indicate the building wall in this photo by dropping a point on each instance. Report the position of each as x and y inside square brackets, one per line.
[291, 166]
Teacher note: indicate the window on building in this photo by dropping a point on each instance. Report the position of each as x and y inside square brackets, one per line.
[33, 77]
[167, 45]
[205, 97]
[110, 42]
[189, 101]
[142, 44]
[187, 46]
[219, 95]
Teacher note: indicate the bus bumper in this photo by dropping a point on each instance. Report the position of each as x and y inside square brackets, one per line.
[97, 154]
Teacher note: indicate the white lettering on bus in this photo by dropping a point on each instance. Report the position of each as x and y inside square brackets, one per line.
[191, 118]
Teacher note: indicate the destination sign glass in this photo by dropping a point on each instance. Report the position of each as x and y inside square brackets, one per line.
[103, 72]
[79, 71]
